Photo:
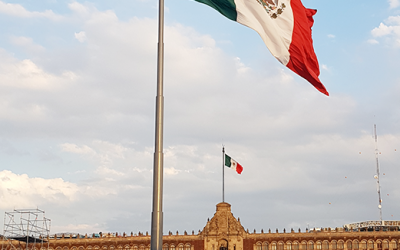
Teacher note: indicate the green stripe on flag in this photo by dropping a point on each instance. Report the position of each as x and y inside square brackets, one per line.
[228, 162]
[225, 7]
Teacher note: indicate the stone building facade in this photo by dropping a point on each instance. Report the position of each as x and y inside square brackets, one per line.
[224, 232]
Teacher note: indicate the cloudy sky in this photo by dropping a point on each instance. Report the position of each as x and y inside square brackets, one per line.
[77, 107]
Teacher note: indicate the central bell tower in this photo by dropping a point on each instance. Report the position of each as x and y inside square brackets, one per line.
[223, 231]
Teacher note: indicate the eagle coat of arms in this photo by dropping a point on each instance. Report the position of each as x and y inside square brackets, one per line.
[273, 8]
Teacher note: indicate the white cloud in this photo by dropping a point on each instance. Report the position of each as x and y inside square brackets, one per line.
[106, 157]
[373, 41]
[77, 7]
[25, 74]
[105, 171]
[382, 30]
[331, 36]
[73, 228]
[390, 30]
[171, 171]
[19, 11]
[26, 43]
[72, 148]
[81, 36]
[21, 191]
[394, 3]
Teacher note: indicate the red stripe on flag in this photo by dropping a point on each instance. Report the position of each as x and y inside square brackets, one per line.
[239, 168]
[303, 60]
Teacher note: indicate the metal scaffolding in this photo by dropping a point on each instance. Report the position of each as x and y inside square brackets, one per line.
[26, 229]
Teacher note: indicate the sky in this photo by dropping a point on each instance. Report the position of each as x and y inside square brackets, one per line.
[77, 116]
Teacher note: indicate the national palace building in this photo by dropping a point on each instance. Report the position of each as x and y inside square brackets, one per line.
[225, 232]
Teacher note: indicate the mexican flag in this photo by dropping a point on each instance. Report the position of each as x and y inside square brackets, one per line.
[231, 163]
[284, 26]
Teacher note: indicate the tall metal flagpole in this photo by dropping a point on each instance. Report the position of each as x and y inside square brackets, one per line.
[377, 174]
[157, 213]
[223, 174]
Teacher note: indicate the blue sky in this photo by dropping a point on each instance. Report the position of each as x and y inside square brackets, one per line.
[77, 98]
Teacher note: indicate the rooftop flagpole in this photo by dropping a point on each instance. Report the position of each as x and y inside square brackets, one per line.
[223, 174]
[158, 166]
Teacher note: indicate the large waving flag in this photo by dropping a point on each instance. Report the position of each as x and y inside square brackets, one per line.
[231, 163]
[284, 25]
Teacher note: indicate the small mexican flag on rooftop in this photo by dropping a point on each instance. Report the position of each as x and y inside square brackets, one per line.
[231, 163]
[285, 27]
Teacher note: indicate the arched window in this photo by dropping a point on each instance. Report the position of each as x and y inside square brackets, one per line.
[258, 246]
[385, 244]
[355, 245]
[295, 245]
[187, 247]
[304, 245]
[370, 244]
[340, 245]
[135, 247]
[273, 247]
[280, 246]
[289, 246]
[141, 247]
[349, 245]
[265, 246]
[165, 247]
[311, 245]
[325, 245]
[172, 247]
[363, 245]
[379, 245]
[334, 245]
[394, 245]
[180, 247]
[319, 245]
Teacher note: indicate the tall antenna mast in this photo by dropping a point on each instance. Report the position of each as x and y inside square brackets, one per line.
[377, 174]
